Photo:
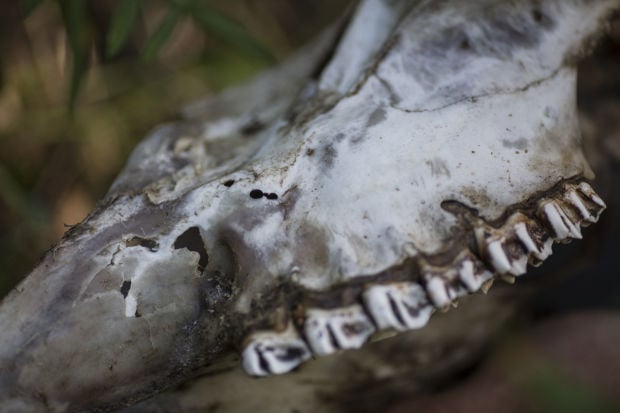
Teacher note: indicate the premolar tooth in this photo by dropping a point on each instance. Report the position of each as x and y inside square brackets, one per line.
[472, 280]
[498, 257]
[468, 277]
[402, 306]
[519, 265]
[437, 292]
[528, 242]
[561, 224]
[270, 352]
[341, 328]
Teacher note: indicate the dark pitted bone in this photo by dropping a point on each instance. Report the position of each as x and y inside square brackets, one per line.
[422, 145]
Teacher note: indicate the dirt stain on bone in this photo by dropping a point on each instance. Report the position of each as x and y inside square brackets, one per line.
[438, 168]
[377, 116]
[328, 156]
[520, 143]
[478, 197]
[312, 242]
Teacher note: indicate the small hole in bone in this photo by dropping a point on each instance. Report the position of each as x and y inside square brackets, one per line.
[252, 127]
[256, 194]
[537, 15]
[125, 288]
[192, 240]
[229, 183]
[271, 196]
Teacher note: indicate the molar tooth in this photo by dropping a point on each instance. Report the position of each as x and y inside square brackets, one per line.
[575, 200]
[539, 252]
[341, 328]
[561, 224]
[402, 306]
[270, 352]
[587, 190]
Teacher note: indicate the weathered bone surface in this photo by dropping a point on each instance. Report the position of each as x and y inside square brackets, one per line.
[427, 149]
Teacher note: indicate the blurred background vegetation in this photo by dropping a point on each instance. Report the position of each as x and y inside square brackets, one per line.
[81, 82]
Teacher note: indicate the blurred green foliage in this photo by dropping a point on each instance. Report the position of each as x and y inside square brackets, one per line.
[123, 22]
[80, 31]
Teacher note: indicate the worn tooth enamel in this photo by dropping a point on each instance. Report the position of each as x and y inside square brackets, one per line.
[575, 200]
[555, 220]
[271, 352]
[547, 249]
[524, 236]
[561, 224]
[401, 306]
[437, 292]
[519, 265]
[343, 328]
[573, 227]
[587, 190]
[470, 278]
[498, 256]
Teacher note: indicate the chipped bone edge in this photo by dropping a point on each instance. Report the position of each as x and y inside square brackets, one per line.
[408, 305]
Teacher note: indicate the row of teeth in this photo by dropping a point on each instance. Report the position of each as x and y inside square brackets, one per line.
[409, 305]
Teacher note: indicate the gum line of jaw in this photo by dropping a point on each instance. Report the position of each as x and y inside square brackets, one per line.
[401, 306]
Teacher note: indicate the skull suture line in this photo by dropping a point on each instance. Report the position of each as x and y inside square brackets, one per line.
[436, 149]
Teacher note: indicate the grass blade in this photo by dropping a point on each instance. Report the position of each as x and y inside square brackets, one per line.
[121, 26]
[226, 29]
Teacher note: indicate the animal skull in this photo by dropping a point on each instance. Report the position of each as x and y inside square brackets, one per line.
[436, 150]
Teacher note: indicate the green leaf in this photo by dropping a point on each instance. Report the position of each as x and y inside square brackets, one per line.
[123, 21]
[226, 29]
[76, 23]
[160, 36]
